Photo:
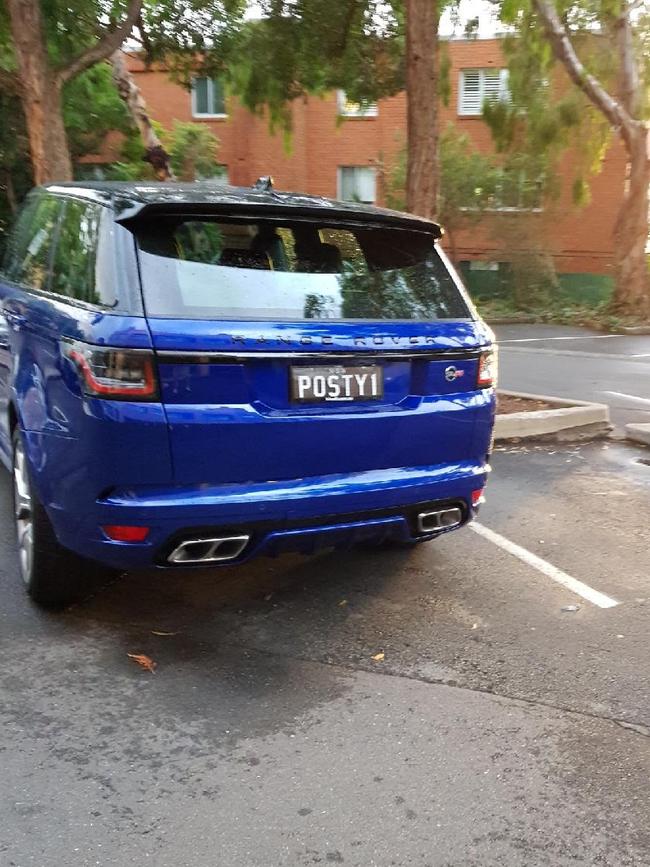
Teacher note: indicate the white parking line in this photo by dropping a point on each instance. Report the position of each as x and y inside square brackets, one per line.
[563, 337]
[627, 396]
[552, 572]
[609, 356]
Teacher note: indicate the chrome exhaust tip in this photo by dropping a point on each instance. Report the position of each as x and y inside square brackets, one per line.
[219, 549]
[440, 519]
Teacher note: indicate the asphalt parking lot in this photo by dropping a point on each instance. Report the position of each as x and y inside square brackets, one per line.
[458, 704]
[579, 363]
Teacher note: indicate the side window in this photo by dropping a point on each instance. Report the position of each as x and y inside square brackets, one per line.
[76, 260]
[28, 252]
[18, 238]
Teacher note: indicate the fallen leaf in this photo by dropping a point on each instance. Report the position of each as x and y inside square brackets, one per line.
[144, 661]
[157, 632]
[378, 657]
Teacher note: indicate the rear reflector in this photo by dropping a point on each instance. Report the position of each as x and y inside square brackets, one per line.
[121, 533]
[477, 497]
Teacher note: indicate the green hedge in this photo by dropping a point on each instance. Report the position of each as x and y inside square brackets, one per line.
[578, 289]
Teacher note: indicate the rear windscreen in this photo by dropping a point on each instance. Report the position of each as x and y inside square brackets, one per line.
[233, 269]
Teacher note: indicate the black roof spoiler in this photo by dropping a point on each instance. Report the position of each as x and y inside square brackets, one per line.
[131, 212]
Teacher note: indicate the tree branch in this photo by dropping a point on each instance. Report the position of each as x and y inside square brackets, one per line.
[564, 51]
[629, 85]
[107, 45]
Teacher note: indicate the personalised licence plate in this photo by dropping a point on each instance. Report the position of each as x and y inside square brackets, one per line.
[337, 384]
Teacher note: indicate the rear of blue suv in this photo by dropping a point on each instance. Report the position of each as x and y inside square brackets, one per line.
[193, 376]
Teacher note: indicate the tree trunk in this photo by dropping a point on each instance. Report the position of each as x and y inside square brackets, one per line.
[155, 153]
[632, 292]
[422, 107]
[40, 94]
[10, 193]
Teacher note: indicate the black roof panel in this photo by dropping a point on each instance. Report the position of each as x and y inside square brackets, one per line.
[131, 199]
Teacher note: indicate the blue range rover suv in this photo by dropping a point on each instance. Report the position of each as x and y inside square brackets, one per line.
[191, 375]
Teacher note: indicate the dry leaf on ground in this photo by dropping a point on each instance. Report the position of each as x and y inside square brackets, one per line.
[144, 661]
[379, 657]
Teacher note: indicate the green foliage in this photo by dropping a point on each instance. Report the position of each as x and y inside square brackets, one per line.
[467, 180]
[473, 184]
[92, 108]
[312, 46]
[15, 169]
[546, 113]
[192, 148]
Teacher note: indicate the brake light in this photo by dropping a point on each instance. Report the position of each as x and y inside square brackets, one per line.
[487, 369]
[112, 373]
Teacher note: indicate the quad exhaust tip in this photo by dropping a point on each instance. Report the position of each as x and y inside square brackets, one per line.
[220, 549]
[440, 519]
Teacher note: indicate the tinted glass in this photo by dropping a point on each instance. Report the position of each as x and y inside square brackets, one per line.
[19, 238]
[74, 272]
[218, 105]
[243, 270]
[201, 96]
[30, 245]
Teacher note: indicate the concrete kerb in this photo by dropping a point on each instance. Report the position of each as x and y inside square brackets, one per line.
[638, 433]
[634, 329]
[569, 419]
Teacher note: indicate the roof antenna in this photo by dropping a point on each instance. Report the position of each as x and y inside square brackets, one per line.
[264, 184]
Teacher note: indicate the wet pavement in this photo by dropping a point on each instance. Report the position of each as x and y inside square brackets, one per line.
[450, 705]
[578, 363]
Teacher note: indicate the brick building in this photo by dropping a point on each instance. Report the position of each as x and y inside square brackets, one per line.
[340, 150]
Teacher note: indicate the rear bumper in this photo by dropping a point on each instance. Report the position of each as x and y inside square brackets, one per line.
[297, 514]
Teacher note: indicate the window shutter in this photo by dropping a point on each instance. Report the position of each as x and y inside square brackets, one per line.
[348, 108]
[470, 92]
[491, 85]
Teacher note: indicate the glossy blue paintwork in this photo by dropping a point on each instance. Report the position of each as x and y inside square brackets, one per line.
[223, 447]
[168, 509]
[360, 336]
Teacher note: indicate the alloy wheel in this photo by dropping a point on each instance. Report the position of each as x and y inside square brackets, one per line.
[23, 512]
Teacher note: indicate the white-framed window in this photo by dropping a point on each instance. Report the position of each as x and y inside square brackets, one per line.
[208, 99]
[219, 175]
[518, 191]
[348, 108]
[477, 86]
[357, 184]
[511, 190]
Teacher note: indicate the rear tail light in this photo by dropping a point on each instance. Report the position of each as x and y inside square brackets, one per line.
[116, 374]
[478, 497]
[487, 369]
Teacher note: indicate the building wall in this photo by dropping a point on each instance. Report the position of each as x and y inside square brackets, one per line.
[321, 142]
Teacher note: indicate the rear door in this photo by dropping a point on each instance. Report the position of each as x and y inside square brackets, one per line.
[291, 350]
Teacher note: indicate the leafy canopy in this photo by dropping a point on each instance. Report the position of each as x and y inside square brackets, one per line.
[547, 113]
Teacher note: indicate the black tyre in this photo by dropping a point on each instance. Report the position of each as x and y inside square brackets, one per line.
[52, 575]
